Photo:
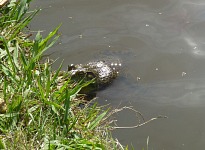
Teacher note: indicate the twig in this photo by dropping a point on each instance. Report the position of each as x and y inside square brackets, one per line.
[130, 108]
[139, 125]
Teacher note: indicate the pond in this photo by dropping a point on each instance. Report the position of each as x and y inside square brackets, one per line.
[161, 44]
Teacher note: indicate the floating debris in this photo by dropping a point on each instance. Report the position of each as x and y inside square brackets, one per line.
[81, 36]
[183, 74]
[195, 47]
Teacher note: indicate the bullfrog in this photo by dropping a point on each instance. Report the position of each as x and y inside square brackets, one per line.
[101, 71]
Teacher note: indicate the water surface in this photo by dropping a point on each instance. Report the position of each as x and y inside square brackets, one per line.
[161, 44]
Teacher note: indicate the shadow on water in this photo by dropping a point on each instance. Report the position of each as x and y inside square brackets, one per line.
[161, 44]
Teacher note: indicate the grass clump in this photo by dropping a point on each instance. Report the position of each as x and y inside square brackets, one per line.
[39, 108]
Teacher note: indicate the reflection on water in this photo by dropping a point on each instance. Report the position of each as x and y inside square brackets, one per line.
[161, 44]
[178, 93]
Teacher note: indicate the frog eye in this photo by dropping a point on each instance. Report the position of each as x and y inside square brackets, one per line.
[71, 67]
[81, 73]
[90, 75]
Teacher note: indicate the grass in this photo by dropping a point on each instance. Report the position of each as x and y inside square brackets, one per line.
[39, 108]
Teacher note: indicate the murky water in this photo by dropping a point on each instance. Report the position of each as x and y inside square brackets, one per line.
[161, 44]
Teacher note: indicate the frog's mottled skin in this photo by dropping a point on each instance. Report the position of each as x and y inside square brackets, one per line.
[103, 72]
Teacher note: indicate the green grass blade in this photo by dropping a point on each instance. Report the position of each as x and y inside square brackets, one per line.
[16, 56]
[97, 120]
[51, 34]
[2, 144]
[41, 46]
[22, 9]
[41, 89]
[8, 53]
[4, 53]
[67, 105]
[23, 59]
[22, 25]
[56, 73]
[37, 40]
[9, 74]
[79, 86]
[48, 81]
